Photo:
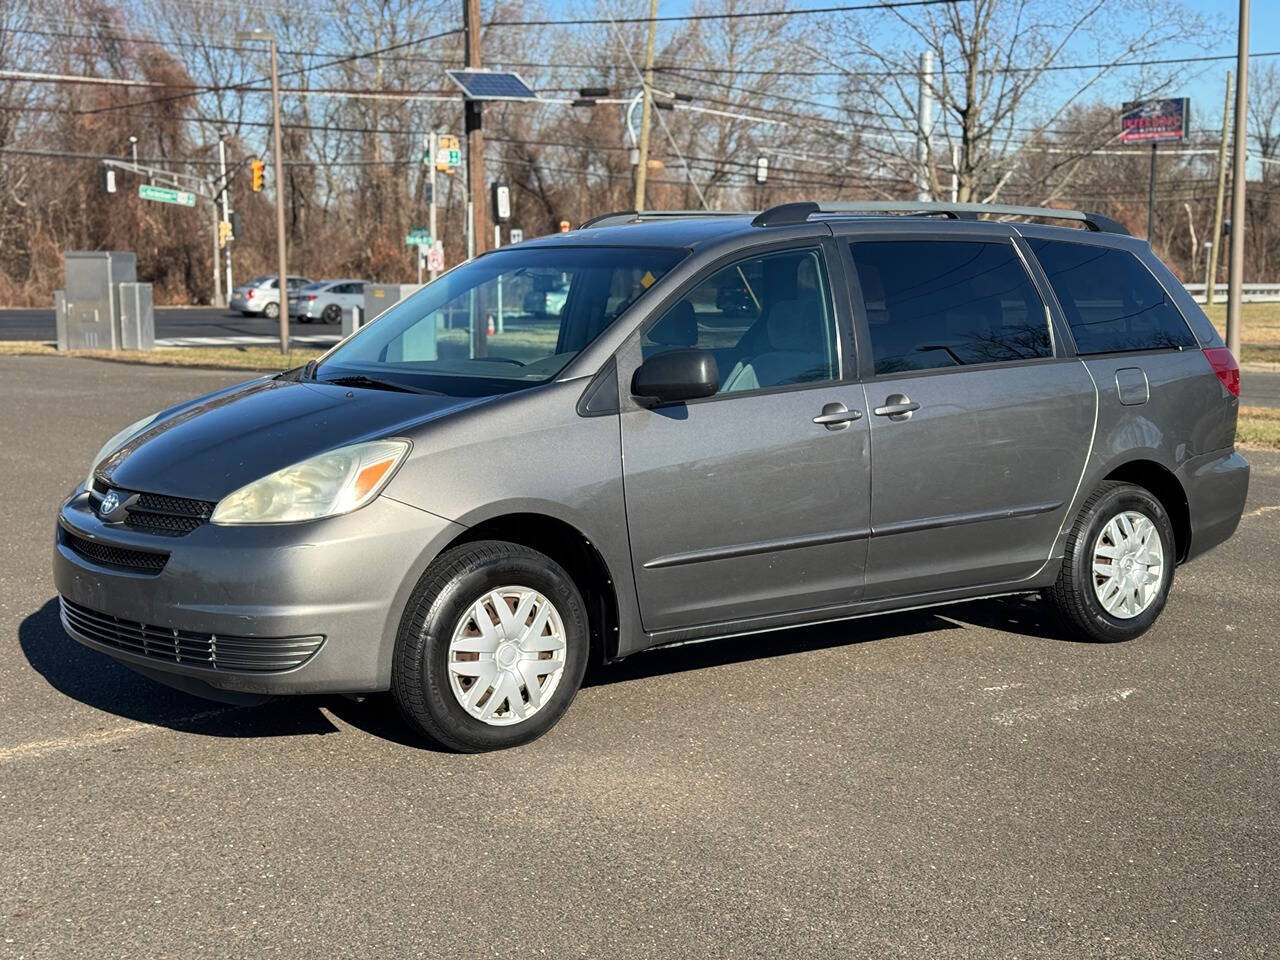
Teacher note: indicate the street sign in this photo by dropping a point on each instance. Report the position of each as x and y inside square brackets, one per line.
[418, 238]
[435, 256]
[501, 202]
[1155, 121]
[166, 195]
[517, 235]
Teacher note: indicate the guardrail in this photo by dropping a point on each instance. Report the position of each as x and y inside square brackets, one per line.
[1253, 292]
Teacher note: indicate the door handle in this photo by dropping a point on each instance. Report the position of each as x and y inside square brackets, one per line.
[897, 406]
[836, 416]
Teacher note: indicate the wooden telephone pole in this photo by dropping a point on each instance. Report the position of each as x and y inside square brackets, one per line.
[477, 226]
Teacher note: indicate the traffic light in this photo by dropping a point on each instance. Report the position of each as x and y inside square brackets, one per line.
[762, 169]
[224, 232]
[108, 180]
[257, 168]
[237, 226]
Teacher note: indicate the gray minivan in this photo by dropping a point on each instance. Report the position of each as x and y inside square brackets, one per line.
[734, 424]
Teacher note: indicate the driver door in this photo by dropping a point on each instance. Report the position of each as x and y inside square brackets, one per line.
[740, 505]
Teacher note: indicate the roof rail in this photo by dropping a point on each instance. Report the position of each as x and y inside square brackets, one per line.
[790, 213]
[632, 216]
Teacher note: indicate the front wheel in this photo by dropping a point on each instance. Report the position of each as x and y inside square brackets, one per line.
[1118, 565]
[492, 647]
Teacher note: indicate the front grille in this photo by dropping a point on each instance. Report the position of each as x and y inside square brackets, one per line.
[121, 558]
[206, 650]
[157, 512]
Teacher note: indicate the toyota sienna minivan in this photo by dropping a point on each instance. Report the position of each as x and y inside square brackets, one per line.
[733, 424]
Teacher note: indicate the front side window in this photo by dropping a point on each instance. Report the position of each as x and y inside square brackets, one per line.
[945, 303]
[1111, 300]
[767, 320]
[504, 321]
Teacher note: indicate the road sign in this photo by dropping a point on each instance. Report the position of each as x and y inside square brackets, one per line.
[501, 202]
[435, 256]
[1154, 121]
[418, 238]
[166, 195]
[517, 235]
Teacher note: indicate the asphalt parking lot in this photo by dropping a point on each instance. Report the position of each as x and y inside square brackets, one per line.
[955, 782]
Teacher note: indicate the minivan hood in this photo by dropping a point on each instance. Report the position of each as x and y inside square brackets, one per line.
[215, 445]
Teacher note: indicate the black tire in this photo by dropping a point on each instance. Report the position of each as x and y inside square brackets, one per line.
[450, 586]
[1073, 595]
[332, 314]
[271, 311]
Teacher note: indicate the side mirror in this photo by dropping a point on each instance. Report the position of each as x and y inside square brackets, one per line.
[676, 375]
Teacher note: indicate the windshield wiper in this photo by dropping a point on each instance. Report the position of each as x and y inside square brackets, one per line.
[360, 380]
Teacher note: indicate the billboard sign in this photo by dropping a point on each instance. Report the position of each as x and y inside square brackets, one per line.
[1155, 121]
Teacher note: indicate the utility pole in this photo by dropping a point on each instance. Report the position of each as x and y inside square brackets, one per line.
[226, 206]
[262, 36]
[1211, 268]
[642, 168]
[277, 147]
[924, 121]
[1235, 287]
[217, 257]
[477, 212]
[1151, 194]
[433, 150]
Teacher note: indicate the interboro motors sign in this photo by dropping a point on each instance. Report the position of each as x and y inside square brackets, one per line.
[1153, 121]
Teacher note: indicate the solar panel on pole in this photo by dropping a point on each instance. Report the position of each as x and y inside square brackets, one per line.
[491, 85]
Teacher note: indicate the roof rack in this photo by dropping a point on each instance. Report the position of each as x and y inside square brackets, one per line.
[633, 216]
[791, 213]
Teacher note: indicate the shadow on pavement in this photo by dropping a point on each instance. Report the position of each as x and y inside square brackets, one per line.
[100, 682]
[96, 680]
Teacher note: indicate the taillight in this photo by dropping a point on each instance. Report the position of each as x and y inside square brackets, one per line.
[1225, 366]
[311, 296]
[248, 295]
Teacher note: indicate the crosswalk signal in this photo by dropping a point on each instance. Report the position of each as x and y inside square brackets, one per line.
[224, 232]
[257, 168]
[237, 226]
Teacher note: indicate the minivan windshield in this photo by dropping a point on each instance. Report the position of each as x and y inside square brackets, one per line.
[502, 322]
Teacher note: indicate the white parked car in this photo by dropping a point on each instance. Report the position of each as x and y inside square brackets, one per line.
[326, 300]
[261, 295]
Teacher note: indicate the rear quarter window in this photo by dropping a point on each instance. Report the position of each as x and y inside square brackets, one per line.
[1111, 300]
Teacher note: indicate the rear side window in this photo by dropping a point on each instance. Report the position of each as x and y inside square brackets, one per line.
[1111, 300]
[944, 303]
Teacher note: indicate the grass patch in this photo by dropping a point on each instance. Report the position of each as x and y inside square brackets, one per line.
[216, 358]
[1259, 332]
[1259, 427]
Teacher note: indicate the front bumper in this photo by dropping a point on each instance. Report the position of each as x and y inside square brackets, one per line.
[331, 591]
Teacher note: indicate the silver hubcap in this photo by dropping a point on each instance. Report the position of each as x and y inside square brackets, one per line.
[1128, 565]
[507, 655]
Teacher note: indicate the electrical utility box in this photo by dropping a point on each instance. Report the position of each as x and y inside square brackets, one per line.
[91, 295]
[419, 342]
[137, 317]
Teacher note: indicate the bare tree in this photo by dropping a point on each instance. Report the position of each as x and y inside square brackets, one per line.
[991, 81]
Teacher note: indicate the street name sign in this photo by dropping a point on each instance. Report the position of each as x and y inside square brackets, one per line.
[148, 191]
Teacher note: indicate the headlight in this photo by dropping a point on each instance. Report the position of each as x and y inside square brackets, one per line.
[326, 485]
[115, 443]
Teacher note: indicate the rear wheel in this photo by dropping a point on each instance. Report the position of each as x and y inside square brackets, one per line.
[332, 314]
[492, 647]
[1118, 565]
[271, 311]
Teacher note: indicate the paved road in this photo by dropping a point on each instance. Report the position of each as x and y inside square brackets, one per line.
[172, 322]
[1260, 388]
[951, 783]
